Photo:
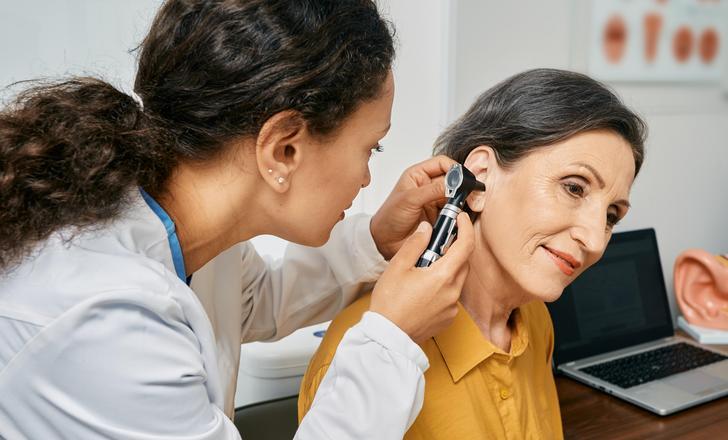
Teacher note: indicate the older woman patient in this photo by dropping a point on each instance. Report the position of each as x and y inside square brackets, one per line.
[558, 153]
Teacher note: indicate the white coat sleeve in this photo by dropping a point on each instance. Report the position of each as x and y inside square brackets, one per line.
[373, 389]
[124, 367]
[308, 285]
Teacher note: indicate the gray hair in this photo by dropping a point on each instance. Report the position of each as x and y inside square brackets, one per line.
[538, 108]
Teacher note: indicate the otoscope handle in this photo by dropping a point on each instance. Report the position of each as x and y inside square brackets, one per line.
[443, 234]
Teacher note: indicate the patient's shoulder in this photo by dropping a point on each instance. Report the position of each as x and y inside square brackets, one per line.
[321, 360]
[347, 319]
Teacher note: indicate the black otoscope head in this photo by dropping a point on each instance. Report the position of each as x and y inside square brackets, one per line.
[459, 183]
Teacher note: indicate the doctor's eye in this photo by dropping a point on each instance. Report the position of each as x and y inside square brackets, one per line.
[376, 149]
[574, 189]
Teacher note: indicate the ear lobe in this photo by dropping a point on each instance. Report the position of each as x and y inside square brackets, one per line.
[279, 148]
[479, 161]
[701, 288]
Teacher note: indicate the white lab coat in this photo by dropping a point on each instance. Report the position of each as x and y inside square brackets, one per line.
[99, 338]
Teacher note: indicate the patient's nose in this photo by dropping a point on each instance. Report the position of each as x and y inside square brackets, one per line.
[590, 232]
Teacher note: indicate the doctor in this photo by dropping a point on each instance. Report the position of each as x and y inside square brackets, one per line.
[258, 117]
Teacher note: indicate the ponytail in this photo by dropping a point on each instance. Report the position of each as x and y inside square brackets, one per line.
[209, 72]
[69, 153]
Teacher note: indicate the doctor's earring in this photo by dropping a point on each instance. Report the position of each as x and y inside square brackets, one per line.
[279, 179]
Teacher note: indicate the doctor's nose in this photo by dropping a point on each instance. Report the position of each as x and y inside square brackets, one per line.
[367, 179]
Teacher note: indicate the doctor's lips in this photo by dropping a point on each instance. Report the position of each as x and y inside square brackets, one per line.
[564, 261]
[343, 214]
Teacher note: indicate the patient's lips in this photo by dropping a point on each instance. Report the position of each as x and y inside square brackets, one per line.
[564, 261]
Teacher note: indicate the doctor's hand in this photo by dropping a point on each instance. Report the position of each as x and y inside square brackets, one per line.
[422, 301]
[414, 199]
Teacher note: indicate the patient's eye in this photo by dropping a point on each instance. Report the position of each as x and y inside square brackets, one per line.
[612, 220]
[574, 189]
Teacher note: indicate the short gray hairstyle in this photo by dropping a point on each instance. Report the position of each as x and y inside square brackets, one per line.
[538, 108]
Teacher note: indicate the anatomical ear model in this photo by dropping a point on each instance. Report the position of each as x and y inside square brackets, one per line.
[701, 288]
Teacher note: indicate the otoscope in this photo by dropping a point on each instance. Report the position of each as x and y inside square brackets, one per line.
[459, 182]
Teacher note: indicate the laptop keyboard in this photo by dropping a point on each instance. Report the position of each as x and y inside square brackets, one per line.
[651, 365]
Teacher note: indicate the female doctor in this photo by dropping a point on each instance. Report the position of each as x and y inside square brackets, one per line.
[257, 117]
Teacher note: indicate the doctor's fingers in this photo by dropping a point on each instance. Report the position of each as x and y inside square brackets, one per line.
[428, 194]
[459, 279]
[407, 255]
[429, 169]
[444, 318]
[450, 286]
[431, 198]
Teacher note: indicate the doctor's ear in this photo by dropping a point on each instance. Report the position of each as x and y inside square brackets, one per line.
[481, 162]
[279, 148]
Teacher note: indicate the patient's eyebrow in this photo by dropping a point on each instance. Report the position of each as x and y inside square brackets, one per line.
[599, 179]
[594, 172]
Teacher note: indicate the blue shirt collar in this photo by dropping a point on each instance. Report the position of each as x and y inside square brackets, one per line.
[174, 247]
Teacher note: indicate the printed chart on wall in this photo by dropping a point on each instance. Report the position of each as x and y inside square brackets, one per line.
[659, 40]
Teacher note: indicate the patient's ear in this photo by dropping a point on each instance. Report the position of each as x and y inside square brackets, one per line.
[701, 288]
[480, 161]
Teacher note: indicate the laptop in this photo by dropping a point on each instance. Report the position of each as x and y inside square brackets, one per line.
[614, 332]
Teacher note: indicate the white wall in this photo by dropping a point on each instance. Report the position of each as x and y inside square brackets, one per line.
[419, 108]
[448, 52]
[51, 39]
[681, 189]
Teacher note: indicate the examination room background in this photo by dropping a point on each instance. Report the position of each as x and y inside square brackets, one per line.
[449, 52]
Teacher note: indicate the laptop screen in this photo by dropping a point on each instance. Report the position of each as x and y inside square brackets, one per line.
[618, 302]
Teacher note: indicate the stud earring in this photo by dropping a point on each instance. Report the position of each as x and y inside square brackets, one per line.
[280, 180]
[270, 171]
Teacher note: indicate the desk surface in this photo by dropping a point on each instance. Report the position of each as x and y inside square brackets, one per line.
[591, 414]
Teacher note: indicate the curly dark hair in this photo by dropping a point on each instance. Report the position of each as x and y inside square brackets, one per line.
[210, 71]
[538, 108]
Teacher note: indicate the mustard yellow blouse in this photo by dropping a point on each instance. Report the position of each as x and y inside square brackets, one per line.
[473, 390]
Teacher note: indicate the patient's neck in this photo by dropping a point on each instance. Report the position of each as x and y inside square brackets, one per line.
[490, 297]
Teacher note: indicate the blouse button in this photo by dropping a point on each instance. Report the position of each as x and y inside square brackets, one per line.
[504, 394]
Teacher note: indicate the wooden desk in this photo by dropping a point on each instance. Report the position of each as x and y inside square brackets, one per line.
[591, 414]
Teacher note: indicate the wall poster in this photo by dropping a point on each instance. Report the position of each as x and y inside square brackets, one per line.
[658, 40]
